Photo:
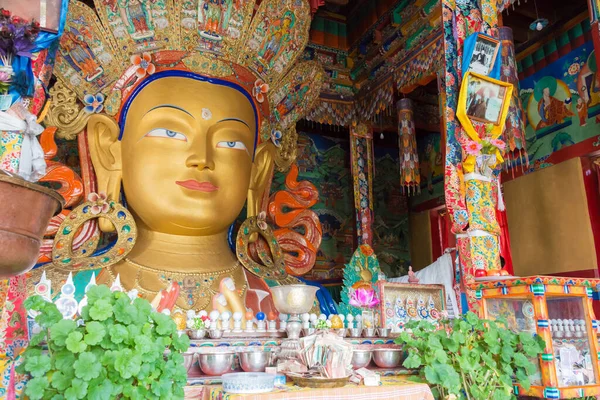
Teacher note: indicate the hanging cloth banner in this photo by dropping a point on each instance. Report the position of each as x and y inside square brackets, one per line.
[21, 65]
[32, 165]
[410, 176]
[485, 101]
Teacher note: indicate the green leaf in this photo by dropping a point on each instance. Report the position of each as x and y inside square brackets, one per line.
[161, 387]
[99, 292]
[441, 356]
[124, 311]
[101, 310]
[144, 310]
[36, 387]
[49, 315]
[87, 366]
[77, 391]
[61, 381]
[522, 378]
[61, 330]
[95, 333]
[38, 365]
[520, 360]
[64, 360]
[164, 324]
[127, 363]
[181, 342]
[103, 391]
[75, 343]
[38, 338]
[34, 303]
[118, 333]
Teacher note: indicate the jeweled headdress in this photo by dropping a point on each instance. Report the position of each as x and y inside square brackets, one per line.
[104, 56]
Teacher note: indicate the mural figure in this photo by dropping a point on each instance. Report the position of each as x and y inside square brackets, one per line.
[79, 55]
[288, 103]
[277, 38]
[551, 110]
[136, 18]
[211, 17]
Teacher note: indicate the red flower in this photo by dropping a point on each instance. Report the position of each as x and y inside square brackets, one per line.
[5, 13]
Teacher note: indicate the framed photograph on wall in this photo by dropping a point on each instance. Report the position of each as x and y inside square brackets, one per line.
[484, 55]
[485, 99]
[46, 12]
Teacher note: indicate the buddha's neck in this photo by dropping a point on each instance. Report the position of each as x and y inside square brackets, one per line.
[177, 253]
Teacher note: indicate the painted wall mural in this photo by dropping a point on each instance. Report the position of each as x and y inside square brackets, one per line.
[390, 225]
[325, 162]
[562, 103]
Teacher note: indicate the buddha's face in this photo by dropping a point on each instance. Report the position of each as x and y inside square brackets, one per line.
[187, 153]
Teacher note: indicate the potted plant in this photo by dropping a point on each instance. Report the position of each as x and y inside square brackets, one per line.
[471, 358]
[119, 349]
[197, 325]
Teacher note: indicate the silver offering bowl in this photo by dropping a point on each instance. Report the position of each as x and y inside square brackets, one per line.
[384, 332]
[255, 360]
[215, 364]
[361, 358]
[215, 333]
[197, 334]
[369, 332]
[387, 358]
[354, 332]
[293, 300]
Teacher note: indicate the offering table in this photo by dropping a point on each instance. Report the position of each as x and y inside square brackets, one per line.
[392, 388]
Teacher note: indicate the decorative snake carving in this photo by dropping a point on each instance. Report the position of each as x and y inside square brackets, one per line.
[299, 230]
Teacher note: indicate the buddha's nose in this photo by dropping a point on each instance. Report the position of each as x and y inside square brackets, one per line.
[200, 160]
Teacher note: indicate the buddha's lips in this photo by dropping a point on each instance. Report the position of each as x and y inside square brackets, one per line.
[199, 186]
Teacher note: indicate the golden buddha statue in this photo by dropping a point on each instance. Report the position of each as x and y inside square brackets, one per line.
[186, 138]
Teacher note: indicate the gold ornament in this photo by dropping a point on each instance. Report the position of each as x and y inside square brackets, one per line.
[65, 113]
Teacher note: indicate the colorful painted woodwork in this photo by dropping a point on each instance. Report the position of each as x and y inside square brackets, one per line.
[361, 153]
[290, 209]
[560, 311]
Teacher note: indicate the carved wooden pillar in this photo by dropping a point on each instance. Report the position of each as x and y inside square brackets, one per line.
[361, 153]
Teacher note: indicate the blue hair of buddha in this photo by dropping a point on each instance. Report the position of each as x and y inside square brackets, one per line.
[188, 75]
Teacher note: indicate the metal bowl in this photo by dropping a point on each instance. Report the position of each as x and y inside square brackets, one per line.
[254, 360]
[361, 358]
[384, 332]
[197, 334]
[354, 332]
[387, 358]
[215, 333]
[215, 364]
[369, 332]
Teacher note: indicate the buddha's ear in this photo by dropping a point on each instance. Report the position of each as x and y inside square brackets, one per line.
[262, 171]
[105, 150]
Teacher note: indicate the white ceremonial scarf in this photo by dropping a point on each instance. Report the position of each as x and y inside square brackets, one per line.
[32, 165]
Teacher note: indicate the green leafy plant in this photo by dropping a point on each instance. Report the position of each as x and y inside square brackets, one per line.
[471, 358]
[123, 350]
[198, 323]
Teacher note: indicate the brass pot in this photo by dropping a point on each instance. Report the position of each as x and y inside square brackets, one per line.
[25, 211]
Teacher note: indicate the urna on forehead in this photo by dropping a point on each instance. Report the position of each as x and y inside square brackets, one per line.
[206, 98]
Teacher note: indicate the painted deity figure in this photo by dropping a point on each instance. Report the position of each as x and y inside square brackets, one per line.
[136, 17]
[77, 52]
[552, 111]
[213, 14]
[287, 104]
[278, 37]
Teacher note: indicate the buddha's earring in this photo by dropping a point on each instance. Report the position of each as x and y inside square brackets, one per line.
[231, 238]
[97, 206]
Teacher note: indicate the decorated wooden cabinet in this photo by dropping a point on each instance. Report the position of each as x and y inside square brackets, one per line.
[560, 310]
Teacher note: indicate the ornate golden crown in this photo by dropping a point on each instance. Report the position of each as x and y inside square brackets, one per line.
[103, 56]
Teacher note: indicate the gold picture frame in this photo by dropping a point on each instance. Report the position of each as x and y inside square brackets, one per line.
[485, 99]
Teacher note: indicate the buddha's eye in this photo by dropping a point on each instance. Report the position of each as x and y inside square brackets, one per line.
[165, 133]
[232, 145]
